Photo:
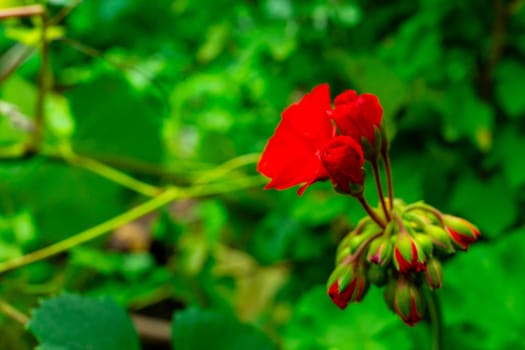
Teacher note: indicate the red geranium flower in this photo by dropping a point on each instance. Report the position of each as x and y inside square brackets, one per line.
[343, 160]
[358, 116]
[292, 155]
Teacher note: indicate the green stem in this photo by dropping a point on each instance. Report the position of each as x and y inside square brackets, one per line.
[42, 87]
[111, 174]
[170, 194]
[370, 211]
[386, 161]
[379, 187]
[436, 319]
[10, 311]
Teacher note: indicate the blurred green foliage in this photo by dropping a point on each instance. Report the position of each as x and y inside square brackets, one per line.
[167, 90]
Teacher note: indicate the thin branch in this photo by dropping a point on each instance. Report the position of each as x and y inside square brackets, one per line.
[170, 194]
[42, 88]
[370, 211]
[23, 11]
[379, 187]
[10, 311]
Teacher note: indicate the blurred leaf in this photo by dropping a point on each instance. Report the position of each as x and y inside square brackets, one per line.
[113, 120]
[508, 86]
[221, 332]
[487, 204]
[74, 322]
[481, 292]
[508, 146]
[318, 324]
[464, 114]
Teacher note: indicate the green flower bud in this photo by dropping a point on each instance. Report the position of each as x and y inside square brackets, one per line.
[408, 302]
[408, 254]
[434, 274]
[462, 232]
[440, 238]
[347, 283]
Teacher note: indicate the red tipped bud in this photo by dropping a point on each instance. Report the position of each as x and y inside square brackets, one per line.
[346, 284]
[461, 232]
[408, 302]
[408, 254]
[380, 250]
[434, 274]
[440, 238]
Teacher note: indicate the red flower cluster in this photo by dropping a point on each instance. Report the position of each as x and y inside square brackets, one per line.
[306, 147]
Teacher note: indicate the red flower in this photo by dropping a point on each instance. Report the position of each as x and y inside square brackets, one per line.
[343, 160]
[292, 155]
[358, 116]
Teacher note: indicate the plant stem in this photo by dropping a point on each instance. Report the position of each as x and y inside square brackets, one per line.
[370, 211]
[386, 161]
[9, 310]
[22, 11]
[379, 187]
[436, 319]
[42, 88]
[168, 195]
[111, 174]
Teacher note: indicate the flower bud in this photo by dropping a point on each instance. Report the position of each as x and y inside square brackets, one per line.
[460, 231]
[377, 275]
[434, 274]
[346, 284]
[424, 242]
[440, 238]
[408, 302]
[343, 159]
[408, 254]
[380, 250]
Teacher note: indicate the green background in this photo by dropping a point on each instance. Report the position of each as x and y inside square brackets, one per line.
[167, 90]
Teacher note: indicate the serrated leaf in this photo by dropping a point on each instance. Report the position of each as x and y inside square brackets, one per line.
[196, 329]
[73, 322]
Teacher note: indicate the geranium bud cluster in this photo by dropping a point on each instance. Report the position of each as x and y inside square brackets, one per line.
[405, 255]
[396, 245]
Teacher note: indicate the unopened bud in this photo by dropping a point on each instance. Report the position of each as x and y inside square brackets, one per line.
[380, 250]
[346, 284]
[440, 238]
[434, 273]
[462, 232]
[408, 302]
[408, 255]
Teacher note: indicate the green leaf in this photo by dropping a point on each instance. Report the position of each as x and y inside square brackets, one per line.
[482, 292]
[73, 322]
[464, 114]
[196, 329]
[318, 324]
[509, 87]
[487, 204]
[111, 119]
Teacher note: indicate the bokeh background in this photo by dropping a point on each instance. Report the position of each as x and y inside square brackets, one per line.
[166, 91]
